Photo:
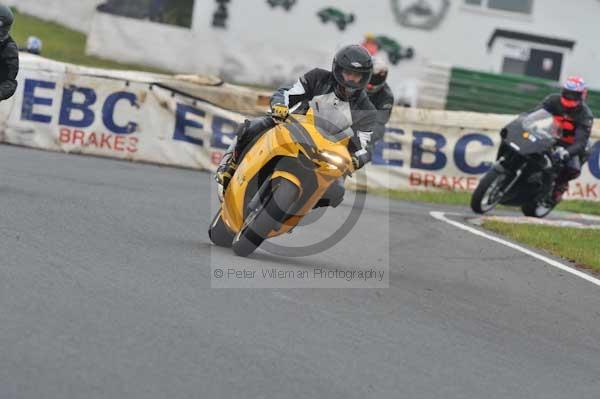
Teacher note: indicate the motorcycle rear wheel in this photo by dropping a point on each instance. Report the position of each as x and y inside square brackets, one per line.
[537, 209]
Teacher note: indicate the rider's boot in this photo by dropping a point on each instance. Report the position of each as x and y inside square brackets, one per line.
[227, 166]
[561, 184]
[245, 134]
[559, 189]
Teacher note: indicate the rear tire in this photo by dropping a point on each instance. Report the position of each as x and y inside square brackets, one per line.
[485, 197]
[537, 209]
[266, 218]
[219, 233]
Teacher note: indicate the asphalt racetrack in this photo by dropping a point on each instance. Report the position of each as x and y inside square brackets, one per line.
[105, 292]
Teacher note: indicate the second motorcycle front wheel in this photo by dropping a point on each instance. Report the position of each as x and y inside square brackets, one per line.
[488, 193]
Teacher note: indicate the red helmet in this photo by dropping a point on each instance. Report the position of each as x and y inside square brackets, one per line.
[573, 92]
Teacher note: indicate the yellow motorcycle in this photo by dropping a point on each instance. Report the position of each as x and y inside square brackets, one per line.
[281, 177]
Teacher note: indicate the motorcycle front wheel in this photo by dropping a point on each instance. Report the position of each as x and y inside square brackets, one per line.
[488, 193]
[219, 233]
[267, 217]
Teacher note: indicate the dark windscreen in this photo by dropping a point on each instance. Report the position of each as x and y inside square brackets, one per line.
[540, 122]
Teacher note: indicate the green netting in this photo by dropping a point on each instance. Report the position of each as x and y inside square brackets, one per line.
[501, 94]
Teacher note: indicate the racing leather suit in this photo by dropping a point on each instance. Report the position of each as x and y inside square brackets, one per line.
[9, 68]
[383, 100]
[576, 127]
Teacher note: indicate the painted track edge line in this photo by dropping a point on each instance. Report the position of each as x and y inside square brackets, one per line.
[441, 216]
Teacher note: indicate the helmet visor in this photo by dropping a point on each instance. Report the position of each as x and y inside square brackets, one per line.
[571, 98]
[572, 95]
[4, 31]
[377, 81]
[352, 78]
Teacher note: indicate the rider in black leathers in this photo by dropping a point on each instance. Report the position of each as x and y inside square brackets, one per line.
[342, 87]
[381, 97]
[575, 119]
[9, 55]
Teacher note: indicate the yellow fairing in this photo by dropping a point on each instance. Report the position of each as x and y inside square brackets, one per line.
[284, 141]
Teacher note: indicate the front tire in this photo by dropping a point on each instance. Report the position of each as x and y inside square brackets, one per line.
[266, 218]
[219, 233]
[486, 195]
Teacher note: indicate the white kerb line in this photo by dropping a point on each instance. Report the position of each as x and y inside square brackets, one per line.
[551, 262]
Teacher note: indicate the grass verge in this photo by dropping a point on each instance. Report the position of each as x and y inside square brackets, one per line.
[464, 198]
[63, 44]
[589, 207]
[432, 197]
[576, 245]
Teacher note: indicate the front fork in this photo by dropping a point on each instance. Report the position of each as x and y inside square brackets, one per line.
[500, 168]
[549, 175]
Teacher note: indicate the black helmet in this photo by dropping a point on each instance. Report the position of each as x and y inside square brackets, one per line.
[352, 69]
[6, 21]
[380, 73]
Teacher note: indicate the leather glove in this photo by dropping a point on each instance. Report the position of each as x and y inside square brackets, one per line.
[279, 112]
[560, 154]
[365, 139]
[358, 161]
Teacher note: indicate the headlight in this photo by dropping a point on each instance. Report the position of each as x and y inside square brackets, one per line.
[332, 158]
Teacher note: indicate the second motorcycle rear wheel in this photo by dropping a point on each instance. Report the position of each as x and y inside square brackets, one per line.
[537, 209]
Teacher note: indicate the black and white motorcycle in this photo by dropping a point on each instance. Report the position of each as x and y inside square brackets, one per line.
[524, 173]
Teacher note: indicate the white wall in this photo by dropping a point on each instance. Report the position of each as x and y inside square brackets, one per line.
[268, 46]
[76, 14]
[463, 36]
